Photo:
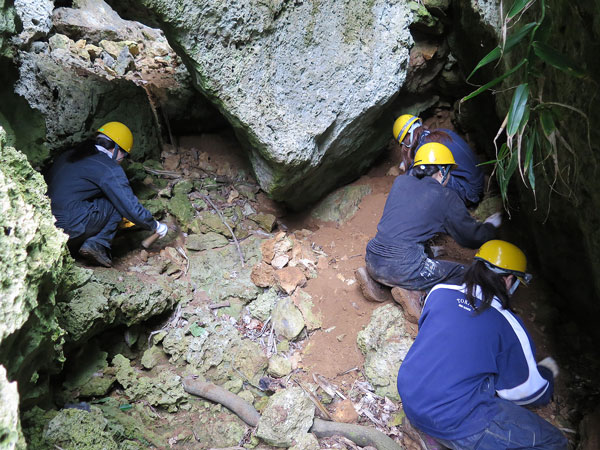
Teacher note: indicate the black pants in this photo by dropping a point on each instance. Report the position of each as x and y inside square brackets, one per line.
[101, 225]
[413, 270]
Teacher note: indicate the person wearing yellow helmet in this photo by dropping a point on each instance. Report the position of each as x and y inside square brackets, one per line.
[473, 367]
[90, 193]
[467, 178]
[418, 207]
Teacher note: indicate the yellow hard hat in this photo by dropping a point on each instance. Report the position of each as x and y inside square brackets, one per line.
[506, 257]
[403, 124]
[119, 133]
[434, 153]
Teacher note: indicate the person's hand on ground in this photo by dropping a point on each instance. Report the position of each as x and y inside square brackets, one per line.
[495, 219]
[549, 363]
[161, 229]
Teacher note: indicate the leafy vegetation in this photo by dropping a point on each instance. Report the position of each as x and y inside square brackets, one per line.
[531, 130]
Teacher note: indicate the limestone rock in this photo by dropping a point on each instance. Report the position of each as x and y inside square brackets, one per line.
[76, 428]
[10, 427]
[220, 273]
[263, 275]
[287, 319]
[267, 247]
[311, 120]
[303, 301]
[34, 263]
[279, 366]
[95, 20]
[307, 441]
[152, 356]
[71, 104]
[263, 305]
[165, 390]
[280, 261]
[287, 417]
[206, 241]
[265, 221]
[218, 428]
[341, 205]
[344, 412]
[289, 278]
[385, 343]
[218, 349]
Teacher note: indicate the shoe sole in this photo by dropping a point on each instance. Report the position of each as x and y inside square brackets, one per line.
[369, 288]
[91, 256]
[403, 298]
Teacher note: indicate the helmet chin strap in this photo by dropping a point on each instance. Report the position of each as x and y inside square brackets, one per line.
[514, 287]
[115, 152]
[445, 170]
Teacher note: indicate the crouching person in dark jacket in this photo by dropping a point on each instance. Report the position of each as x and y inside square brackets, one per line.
[418, 207]
[472, 367]
[90, 193]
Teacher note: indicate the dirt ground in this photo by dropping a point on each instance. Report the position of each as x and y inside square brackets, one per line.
[332, 351]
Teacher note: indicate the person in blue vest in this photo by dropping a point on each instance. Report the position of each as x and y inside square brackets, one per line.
[467, 179]
[418, 207]
[472, 368]
[90, 193]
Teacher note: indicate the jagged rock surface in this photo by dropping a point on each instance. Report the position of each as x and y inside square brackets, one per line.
[302, 83]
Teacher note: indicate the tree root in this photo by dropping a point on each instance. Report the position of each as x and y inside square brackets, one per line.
[362, 436]
[235, 403]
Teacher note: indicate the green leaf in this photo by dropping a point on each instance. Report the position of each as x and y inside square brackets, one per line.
[556, 59]
[494, 82]
[511, 41]
[517, 7]
[547, 122]
[517, 109]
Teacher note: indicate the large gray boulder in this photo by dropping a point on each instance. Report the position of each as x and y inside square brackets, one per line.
[303, 83]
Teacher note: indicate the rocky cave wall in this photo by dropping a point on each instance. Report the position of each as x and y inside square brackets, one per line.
[559, 232]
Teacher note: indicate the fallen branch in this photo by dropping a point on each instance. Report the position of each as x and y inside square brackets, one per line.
[219, 305]
[237, 244]
[362, 436]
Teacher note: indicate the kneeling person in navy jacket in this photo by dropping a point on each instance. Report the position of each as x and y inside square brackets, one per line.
[472, 367]
[90, 193]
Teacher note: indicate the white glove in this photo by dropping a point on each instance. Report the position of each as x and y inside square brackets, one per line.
[161, 229]
[495, 219]
[549, 363]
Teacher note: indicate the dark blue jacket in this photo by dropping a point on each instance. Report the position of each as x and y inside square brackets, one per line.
[461, 362]
[467, 179]
[418, 209]
[73, 186]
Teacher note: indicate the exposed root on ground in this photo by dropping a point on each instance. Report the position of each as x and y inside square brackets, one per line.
[360, 435]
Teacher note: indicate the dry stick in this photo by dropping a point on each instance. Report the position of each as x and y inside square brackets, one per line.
[219, 305]
[362, 436]
[237, 244]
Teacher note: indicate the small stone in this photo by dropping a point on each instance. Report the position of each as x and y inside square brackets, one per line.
[345, 412]
[280, 261]
[287, 319]
[263, 275]
[267, 249]
[279, 366]
[289, 278]
[152, 356]
[206, 241]
[265, 221]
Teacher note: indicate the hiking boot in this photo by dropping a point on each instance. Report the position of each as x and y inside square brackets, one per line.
[95, 253]
[410, 301]
[371, 289]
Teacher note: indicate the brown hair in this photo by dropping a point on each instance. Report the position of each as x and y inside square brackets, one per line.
[438, 136]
